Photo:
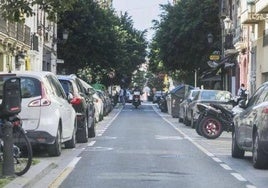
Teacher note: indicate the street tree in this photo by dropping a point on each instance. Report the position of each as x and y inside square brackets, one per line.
[102, 42]
[180, 42]
[17, 10]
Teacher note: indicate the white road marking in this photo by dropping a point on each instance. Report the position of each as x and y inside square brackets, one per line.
[91, 143]
[226, 167]
[216, 159]
[238, 176]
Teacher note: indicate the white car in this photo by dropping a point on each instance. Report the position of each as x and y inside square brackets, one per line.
[47, 116]
[98, 103]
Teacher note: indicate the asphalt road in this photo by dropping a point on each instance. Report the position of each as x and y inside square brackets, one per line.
[145, 148]
[141, 149]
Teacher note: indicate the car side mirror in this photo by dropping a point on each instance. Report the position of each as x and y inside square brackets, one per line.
[11, 103]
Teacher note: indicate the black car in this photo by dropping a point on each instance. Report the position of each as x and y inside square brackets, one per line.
[82, 102]
[206, 96]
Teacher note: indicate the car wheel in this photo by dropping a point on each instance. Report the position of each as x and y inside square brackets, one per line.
[258, 157]
[91, 130]
[197, 129]
[180, 119]
[82, 135]
[71, 143]
[236, 151]
[210, 127]
[187, 122]
[55, 148]
[192, 122]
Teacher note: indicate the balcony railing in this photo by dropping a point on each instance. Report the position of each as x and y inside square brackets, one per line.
[16, 31]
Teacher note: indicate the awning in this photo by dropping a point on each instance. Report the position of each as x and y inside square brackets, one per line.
[212, 78]
[213, 74]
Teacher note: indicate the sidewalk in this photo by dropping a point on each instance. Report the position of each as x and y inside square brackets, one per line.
[46, 165]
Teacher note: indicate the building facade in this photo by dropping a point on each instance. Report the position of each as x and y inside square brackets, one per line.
[28, 46]
[254, 27]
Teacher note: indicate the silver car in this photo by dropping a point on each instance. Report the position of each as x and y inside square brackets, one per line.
[251, 128]
[48, 117]
[183, 106]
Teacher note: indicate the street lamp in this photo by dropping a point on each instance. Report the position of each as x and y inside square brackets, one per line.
[210, 38]
[227, 24]
[65, 34]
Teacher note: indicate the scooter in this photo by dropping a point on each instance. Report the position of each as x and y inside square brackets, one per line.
[213, 120]
[136, 101]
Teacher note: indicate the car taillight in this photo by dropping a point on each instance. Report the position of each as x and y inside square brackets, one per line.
[43, 101]
[76, 101]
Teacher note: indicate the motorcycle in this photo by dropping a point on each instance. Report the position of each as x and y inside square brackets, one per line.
[162, 104]
[214, 119]
[136, 101]
[21, 148]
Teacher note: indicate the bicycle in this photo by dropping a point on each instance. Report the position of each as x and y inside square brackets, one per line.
[9, 109]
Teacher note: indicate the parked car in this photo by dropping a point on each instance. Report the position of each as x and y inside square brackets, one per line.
[206, 97]
[183, 106]
[82, 102]
[251, 128]
[106, 102]
[98, 103]
[47, 115]
[157, 96]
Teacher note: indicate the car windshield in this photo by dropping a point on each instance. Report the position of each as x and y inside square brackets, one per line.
[67, 86]
[216, 95]
[30, 87]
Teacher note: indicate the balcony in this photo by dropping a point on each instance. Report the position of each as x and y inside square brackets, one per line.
[262, 6]
[15, 34]
[251, 18]
[250, 15]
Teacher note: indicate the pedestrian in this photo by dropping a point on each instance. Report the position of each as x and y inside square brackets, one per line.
[122, 96]
[242, 92]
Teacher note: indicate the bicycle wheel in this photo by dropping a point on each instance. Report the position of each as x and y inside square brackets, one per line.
[22, 150]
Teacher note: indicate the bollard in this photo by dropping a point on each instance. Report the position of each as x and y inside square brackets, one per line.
[8, 158]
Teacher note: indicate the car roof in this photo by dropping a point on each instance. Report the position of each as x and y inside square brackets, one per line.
[85, 84]
[35, 74]
[67, 77]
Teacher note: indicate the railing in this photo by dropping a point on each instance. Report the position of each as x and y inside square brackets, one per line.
[3, 26]
[16, 31]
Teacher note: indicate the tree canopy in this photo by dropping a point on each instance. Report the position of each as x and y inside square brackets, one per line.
[180, 43]
[101, 42]
[17, 10]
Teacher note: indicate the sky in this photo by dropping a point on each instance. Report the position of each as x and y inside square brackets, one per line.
[141, 11]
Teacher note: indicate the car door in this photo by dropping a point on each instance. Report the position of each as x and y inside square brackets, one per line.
[245, 120]
[66, 110]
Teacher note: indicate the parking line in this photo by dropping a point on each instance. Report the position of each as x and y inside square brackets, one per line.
[224, 166]
[57, 182]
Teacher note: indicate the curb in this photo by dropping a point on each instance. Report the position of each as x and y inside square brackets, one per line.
[35, 173]
[38, 171]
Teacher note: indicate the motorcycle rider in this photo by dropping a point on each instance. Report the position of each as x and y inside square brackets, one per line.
[242, 92]
[137, 90]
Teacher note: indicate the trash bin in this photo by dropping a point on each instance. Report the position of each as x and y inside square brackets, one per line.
[177, 95]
